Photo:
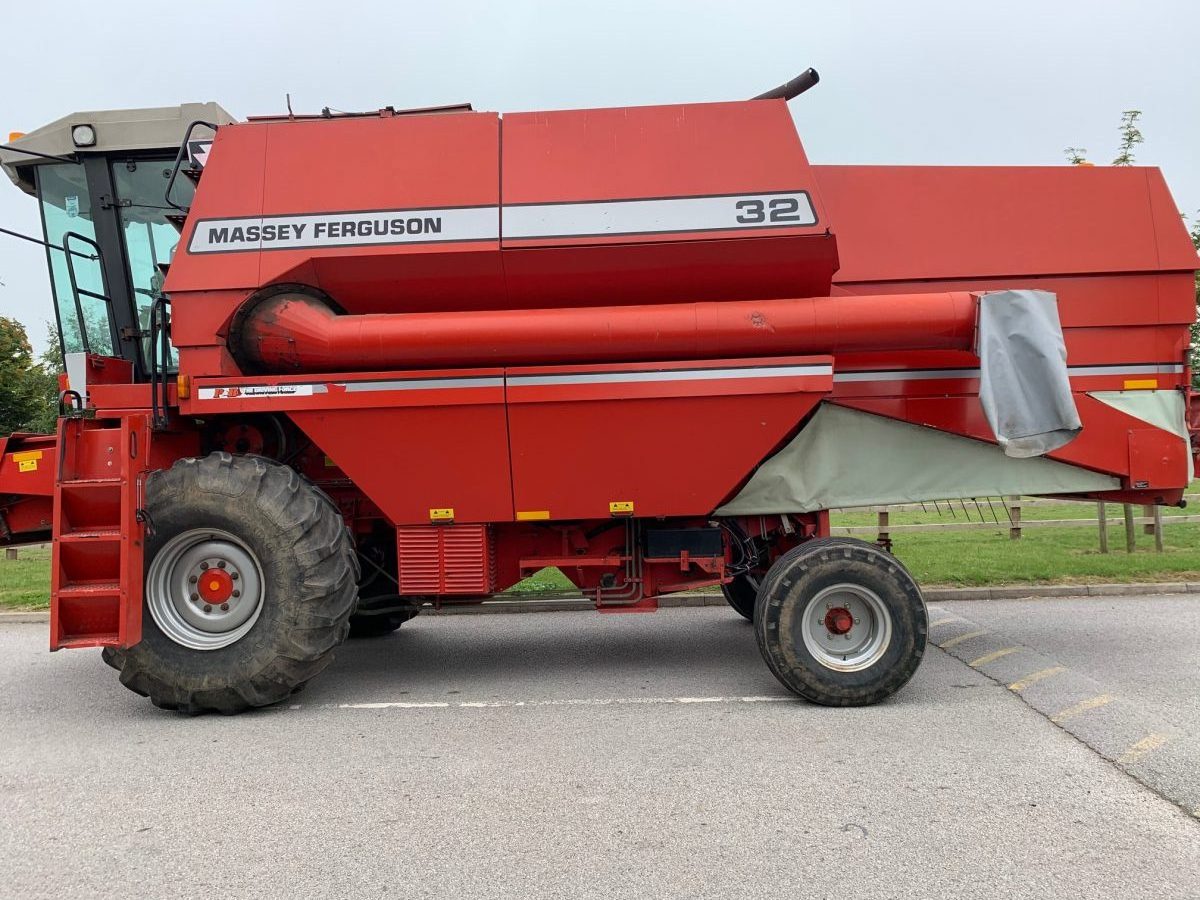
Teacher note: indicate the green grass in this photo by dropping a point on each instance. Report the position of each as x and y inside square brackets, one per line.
[1047, 556]
[25, 581]
[960, 558]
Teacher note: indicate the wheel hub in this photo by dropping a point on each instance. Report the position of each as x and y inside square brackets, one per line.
[215, 585]
[845, 627]
[204, 589]
[839, 620]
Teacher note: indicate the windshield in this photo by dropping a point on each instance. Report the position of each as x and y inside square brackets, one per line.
[66, 209]
[149, 238]
[133, 205]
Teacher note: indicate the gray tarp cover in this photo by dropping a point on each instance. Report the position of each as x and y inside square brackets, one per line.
[844, 457]
[1023, 382]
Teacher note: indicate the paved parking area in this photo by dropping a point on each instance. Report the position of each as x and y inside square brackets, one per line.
[575, 754]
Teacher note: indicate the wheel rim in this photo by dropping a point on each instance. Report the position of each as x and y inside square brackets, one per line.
[846, 627]
[205, 589]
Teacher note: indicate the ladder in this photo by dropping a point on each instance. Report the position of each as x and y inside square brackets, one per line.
[96, 561]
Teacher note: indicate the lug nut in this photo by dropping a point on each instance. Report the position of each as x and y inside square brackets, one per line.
[192, 580]
[237, 593]
[234, 575]
[224, 607]
[221, 564]
[195, 598]
[203, 565]
[207, 608]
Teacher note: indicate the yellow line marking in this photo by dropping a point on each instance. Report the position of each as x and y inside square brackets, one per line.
[1141, 748]
[1083, 706]
[946, 621]
[955, 641]
[991, 657]
[1022, 683]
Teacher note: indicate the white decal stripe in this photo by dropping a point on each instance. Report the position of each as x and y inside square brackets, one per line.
[251, 392]
[663, 215]
[1155, 369]
[675, 214]
[1075, 371]
[678, 375]
[915, 375]
[423, 384]
[347, 229]
[417, 384]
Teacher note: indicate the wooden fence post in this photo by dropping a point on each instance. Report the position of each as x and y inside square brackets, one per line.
[884, 536]
[1130, 530]
[10, 552]
[1014, 517]
[1148, 512]
[1102, 515]
[1158, 535]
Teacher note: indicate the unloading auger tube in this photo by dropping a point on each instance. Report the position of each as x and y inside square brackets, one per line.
[296, 332]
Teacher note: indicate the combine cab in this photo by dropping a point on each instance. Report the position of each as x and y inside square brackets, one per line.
[326, 371]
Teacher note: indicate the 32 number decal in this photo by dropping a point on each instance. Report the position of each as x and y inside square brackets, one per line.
[781, 210]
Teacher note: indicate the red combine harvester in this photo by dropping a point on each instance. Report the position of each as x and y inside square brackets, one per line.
[326, 370]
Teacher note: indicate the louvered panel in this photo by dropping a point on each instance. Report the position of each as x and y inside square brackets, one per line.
[445, 559]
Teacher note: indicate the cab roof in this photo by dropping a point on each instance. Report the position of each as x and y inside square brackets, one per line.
[135, 130]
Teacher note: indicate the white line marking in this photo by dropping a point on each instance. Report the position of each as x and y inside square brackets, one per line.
[585, 701]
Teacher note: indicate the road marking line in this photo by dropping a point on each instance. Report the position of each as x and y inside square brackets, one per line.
[955, 641]
[1141, 748]
[1083, 706]
[992, 657]
[586, 701]
[1022, 683]
[945, 621]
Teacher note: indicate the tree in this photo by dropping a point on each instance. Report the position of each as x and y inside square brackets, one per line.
[19, 379]
[44, 377]
[1077, 156]
[1131, 136]
[28, 387]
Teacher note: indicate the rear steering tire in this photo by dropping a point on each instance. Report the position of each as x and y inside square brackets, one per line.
[377, 626]
[840, 622]
[741, 594]
[282, 586]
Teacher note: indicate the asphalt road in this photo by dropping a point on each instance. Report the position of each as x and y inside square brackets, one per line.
[581, 755]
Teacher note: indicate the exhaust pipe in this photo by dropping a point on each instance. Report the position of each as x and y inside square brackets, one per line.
[794, 88]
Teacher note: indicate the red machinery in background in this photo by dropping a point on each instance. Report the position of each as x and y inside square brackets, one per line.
[403, 358]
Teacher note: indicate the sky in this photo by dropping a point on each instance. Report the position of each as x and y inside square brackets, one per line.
[937, 82]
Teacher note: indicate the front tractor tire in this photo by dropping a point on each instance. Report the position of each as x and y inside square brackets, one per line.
[250, 582]
[840, 622]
